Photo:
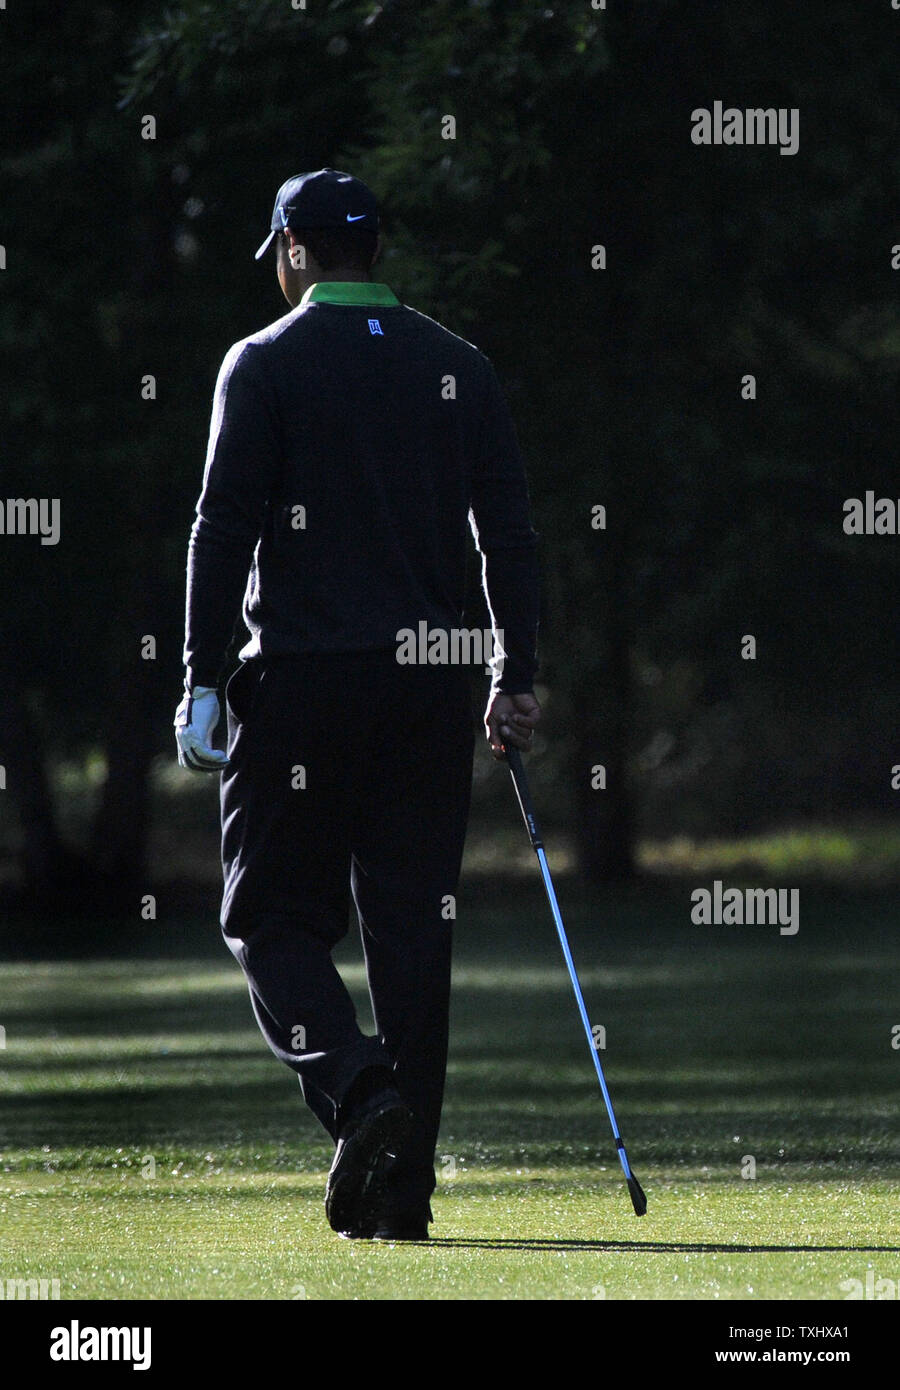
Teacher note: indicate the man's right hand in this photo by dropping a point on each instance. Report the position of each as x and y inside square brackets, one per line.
[510, 719]
[195, 721]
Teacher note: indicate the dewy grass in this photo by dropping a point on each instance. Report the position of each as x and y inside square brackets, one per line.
[151, 1148]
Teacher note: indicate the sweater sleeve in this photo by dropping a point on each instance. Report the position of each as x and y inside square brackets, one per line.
[500, 519]
[242, 463]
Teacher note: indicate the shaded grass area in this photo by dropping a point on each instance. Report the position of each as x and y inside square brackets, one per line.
[150, 1147]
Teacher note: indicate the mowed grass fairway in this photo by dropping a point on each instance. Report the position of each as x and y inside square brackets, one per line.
[150, 1146]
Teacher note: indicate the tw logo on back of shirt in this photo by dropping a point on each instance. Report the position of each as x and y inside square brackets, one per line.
[375, 327]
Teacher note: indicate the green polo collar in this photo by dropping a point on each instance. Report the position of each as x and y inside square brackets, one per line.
[349, 292]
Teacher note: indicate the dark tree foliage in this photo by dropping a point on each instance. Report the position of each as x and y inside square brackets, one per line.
[570, 131]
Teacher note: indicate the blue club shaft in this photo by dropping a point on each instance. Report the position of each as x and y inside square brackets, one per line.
[520, 782]
[579, 999]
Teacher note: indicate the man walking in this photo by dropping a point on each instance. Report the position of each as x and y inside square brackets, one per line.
[352, 443]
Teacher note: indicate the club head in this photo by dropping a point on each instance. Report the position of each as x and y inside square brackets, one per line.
[638, 1200]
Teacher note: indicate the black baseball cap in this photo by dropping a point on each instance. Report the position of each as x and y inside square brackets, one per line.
[325, 198]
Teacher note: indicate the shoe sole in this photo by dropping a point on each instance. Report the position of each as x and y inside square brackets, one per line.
[415, 1237]
[357, 1186]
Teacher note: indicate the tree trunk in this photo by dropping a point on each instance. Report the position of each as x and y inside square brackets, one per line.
[131, 710]
[53, 875]
[121, 824]
[602, 695]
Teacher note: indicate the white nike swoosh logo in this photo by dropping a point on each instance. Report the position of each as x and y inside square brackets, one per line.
[355, 219]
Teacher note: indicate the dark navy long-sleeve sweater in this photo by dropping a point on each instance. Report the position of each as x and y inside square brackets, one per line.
[352, 444]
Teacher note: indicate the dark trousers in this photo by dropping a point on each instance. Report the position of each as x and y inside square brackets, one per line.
[349, 772]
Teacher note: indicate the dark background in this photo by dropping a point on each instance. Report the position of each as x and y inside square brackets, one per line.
[128, 257]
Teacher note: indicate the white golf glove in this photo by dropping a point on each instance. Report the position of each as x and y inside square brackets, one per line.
[195, 722]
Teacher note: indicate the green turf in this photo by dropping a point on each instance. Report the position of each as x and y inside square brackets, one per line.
[150, 1147]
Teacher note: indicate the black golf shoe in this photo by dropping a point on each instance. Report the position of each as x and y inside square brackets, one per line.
[367, 1149]
[403, 1226]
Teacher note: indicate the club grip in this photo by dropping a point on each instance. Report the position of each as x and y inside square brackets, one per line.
[520, 782]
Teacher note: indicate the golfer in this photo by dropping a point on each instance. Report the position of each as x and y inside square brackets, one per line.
[352, 444]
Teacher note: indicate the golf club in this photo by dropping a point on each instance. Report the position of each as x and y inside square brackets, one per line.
[516, 767]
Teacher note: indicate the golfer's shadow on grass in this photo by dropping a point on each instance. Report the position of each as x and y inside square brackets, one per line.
[658, 1246]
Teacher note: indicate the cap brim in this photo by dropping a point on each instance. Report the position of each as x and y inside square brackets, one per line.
[265, 246]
